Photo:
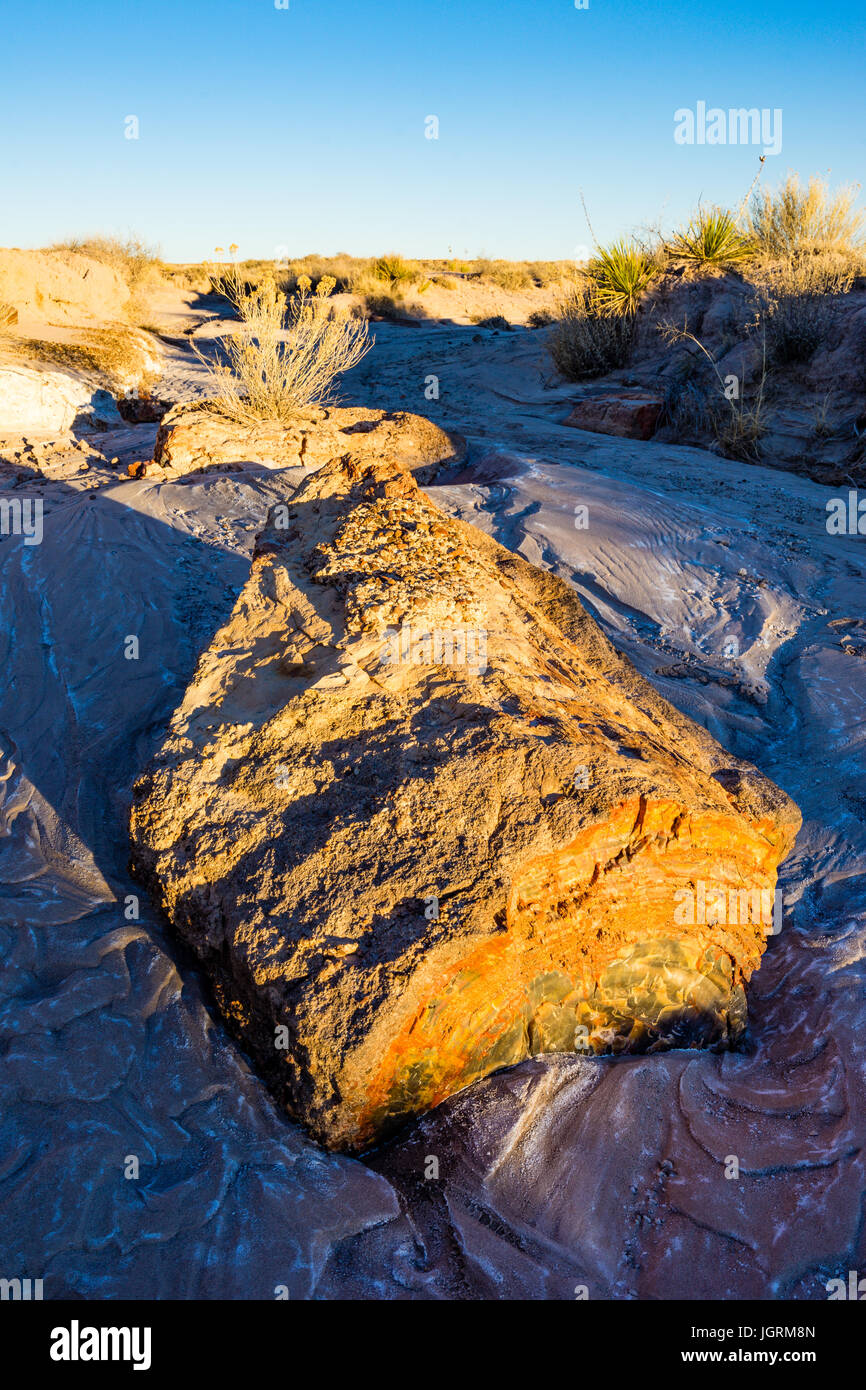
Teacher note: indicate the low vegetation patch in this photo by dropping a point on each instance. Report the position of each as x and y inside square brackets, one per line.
[394, 271]
[797, 301]
[588, 339]
[497, 321]
[738, 420]
[798, 220]
[117, 358]
[286, 356]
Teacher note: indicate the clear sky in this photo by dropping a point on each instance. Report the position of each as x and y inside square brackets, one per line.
[304, 127]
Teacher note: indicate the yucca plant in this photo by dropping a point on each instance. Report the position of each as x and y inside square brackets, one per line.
[712, 238]
[620, 273]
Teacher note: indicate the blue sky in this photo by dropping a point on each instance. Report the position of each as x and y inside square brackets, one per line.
[305, 127]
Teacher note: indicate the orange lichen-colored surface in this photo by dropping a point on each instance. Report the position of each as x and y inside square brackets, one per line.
[569, 915]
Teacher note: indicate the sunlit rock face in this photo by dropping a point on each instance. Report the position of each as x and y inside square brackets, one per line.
[192, 438]
[420, 820]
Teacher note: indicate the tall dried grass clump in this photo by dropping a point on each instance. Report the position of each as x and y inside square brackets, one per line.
[587, 338]
[394, 271]
[796, 220]
[286, 357]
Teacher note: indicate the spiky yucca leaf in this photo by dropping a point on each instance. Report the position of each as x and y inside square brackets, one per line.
[620, 273]
[713, 238]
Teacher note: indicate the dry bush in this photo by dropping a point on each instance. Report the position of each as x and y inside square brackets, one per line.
[737, 423]
[739, 430]
[394, 306]
[497, 321]
[285, 358]
[796, 305]
[587, 339]
[795, 220]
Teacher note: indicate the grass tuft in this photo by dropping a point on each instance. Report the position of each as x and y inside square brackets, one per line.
[798, 220]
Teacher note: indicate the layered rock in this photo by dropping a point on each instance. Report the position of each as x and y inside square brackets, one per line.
[419, 820]
[191, 438]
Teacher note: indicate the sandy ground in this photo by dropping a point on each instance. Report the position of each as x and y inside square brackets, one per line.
[560, 1172]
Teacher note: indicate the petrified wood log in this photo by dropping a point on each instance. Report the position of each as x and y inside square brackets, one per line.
[192, 437]
[420, 820]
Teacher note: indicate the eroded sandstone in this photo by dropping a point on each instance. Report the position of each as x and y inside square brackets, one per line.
[420, 820]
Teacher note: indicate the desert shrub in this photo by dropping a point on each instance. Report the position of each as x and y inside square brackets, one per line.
[490, 321]
[393, 306]
[132, 258]
[738, 431]
[796, 305]
[540, 318]
[796, 219]
[712, 238]
[444, 282]
[285, 357]
[587, 339]
[687, 408]
[796, 325]
[342, 269]
[737, 422]
[394, 270]
[619, 274]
